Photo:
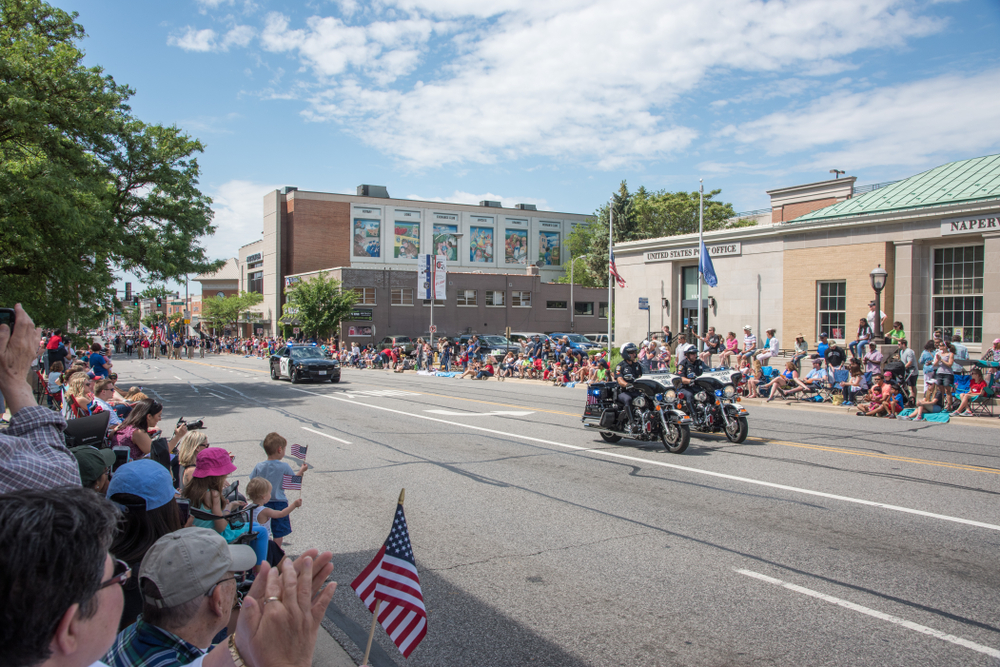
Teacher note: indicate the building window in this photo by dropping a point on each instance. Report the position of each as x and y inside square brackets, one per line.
[602, 310]
[583, 308]
[958, 292]
[495, 298]
[364, 296]
[519, 299]
[255, 282]
[832, 310]
[555, 305]
[437, 302]
[402, 296]
[467, 297]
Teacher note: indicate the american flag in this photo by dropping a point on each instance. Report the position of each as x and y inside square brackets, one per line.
[299, 451]
[392, 578]
[291, 482]
[614, 269]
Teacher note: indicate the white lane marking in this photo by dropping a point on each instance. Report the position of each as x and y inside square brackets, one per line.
[177, 377]
[194, 387]
[510, 413]
[216, 395]
[325, 435]
[697, 471]
[923, 629]
[378, 393]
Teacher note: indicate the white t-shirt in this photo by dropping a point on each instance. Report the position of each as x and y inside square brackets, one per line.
[681, 349]
[871, 320]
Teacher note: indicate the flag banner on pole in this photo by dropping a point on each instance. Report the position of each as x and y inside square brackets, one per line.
[614, 270]
[291, 482]
[392, 578]
[299, 451]
[705, 266]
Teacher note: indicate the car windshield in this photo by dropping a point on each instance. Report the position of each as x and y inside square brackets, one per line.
[498, 341]
[402, 339]
[575, 338]
[306, 352]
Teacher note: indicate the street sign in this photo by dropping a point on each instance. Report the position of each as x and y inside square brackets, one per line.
[643, 303]
[176, 303]
[260, 331]
[187, 321]
[295, 330]
[433, 328]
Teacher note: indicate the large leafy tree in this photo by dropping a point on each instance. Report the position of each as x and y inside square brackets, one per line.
[637, 216]
[318, 305]
[85, 187]
[220, 311]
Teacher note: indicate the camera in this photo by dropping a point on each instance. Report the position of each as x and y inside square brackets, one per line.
[192, 426]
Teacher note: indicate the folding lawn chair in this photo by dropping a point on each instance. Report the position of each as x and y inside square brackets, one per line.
[983, 403]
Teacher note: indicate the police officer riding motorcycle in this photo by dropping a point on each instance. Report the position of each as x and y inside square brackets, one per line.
[628, 371]
[689, 370]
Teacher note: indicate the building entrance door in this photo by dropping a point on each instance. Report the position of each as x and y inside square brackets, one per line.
[689, 302]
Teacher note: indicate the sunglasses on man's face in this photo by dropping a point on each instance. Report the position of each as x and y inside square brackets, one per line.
[119, 576]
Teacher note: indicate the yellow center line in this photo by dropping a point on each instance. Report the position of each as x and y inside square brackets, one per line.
[784, 443]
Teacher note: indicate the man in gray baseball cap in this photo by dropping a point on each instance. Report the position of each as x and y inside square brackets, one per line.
[188, 586]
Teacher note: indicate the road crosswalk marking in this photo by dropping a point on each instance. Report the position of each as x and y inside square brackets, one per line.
[378, 393]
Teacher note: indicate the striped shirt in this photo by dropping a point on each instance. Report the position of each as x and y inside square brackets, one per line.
[750, 342]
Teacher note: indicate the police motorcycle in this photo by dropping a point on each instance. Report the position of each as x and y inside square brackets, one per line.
[714, 405]
[652, 415]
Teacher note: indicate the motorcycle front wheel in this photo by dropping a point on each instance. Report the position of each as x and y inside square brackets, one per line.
[610, 437]
[737, 429]
[676, 437]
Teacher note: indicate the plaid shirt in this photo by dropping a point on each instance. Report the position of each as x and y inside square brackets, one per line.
[33, 452]
[145, 645]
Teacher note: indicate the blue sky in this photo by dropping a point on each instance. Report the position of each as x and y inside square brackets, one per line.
[553, 102]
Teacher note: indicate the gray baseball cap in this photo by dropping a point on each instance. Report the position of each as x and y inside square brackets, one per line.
[185, 564]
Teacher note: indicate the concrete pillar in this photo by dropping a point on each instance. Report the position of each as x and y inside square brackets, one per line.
[903, 286]
[991, 289]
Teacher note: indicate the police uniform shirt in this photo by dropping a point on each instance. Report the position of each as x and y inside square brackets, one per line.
[687, 368]
[628, 372]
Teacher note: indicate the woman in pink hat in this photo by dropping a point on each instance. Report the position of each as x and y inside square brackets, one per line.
[993, 354]
[212, 468]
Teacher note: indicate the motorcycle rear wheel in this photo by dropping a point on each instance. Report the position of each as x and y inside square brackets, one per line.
[737, 429]
[610, 437]
[676, 438]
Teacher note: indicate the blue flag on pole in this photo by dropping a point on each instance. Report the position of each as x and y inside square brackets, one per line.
[706, 268]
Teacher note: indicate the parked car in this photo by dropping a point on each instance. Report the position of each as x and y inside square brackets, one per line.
[600, 339]
[304, 362]
[576, 341]
[489, 344]
[518, 336]
[404, 342]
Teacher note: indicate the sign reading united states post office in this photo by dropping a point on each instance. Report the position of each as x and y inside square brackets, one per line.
[970, 225]
[674, 254]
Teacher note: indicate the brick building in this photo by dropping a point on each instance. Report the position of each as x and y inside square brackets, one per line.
[804, 268]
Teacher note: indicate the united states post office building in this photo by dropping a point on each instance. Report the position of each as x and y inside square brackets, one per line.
[804, 267]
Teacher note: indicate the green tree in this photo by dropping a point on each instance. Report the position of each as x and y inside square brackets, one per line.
[130, 314]
[85, 188]
[641, 215]
[318, 305]
[221, 311]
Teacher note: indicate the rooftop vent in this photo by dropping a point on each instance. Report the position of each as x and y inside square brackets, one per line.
[527, 207]
[288, 188]
[491, 204]
[373, 191]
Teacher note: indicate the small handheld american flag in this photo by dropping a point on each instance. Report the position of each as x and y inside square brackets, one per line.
[291, 482]
[299, 451]
[391, 578]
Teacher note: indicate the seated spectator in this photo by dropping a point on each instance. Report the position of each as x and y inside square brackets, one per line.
[856, 386]
[880, 400]
[212, 468]
[754, 379]
[187, 453]
[95, 467]
[188, 583]
[55, 374]
[772, 347]
[932, 402]
[993, 354]
[103, 393]
[801, 350]
[834, 355]
[789, 379]
[731, 346]
[977, 386]
[872, 358]
[471, 371]
[815, 378]
[896, 334]
[144, 492]
[133, 432]
[861, 341]
[77, 396]
[713, 345]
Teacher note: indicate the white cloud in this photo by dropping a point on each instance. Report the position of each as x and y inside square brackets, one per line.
[460, 197]
[909, 124]
[238, 207]
[207, 39]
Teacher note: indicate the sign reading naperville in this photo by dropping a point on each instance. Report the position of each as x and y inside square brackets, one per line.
[721, 250]
[966, 225]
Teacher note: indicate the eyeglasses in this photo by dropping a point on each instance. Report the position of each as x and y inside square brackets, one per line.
[120, 576]
[221, 581]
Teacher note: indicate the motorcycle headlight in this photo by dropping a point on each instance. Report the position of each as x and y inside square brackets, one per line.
[729, 391]
[701, 396]
[670, 394]
[639, 401]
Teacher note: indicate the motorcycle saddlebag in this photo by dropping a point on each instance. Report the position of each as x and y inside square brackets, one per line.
[600, 397]
[609, 418]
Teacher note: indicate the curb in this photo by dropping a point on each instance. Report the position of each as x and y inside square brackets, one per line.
[850, 411]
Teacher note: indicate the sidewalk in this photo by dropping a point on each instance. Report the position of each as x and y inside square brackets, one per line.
[851, 411]
[328, 652]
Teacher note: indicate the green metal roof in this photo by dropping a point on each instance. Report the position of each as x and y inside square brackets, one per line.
[963, 181]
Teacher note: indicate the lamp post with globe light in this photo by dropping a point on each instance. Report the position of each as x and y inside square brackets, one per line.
[878, 277]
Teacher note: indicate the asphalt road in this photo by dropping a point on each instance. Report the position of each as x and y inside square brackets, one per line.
[822, 540]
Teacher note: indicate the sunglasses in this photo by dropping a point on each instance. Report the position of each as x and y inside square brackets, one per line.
[120, 576]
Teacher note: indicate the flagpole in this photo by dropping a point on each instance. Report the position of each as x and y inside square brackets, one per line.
[611, 279]
[701, 244]
[378, 603]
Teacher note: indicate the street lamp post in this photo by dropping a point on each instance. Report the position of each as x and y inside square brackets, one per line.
[572, 303]
[878, 277]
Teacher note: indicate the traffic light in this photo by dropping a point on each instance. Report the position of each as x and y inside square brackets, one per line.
[128, 291]
[159, 302]
[135, 301]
